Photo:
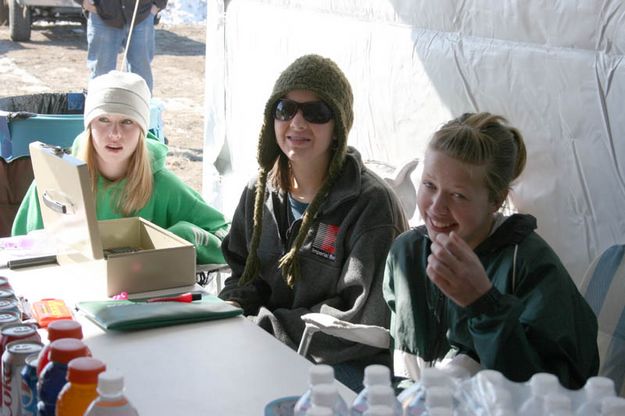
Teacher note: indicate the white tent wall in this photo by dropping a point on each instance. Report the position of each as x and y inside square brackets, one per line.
[555, 69]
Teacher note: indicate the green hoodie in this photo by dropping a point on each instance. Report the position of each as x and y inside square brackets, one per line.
[173, 206]
[533, 319]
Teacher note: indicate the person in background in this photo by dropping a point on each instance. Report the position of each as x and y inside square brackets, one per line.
[108, 28]
[311, 232]
[474, 285]
[128, 172]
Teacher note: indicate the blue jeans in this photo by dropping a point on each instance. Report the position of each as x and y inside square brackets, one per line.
[105, 42]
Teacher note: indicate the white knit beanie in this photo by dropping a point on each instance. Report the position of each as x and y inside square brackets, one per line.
[118, 93]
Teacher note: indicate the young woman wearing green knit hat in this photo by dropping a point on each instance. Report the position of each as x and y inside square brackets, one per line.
[311, 232]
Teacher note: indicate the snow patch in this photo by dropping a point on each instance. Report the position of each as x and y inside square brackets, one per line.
[184, 12]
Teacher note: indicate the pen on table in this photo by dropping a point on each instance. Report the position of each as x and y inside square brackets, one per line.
[29, 262]
[185, 298]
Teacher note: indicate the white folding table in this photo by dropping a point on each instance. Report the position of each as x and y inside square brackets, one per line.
[227, 367]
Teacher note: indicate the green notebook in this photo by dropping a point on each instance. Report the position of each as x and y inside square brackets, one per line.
[126, 315]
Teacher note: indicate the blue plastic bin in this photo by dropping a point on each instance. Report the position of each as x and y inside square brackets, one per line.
[51, 118]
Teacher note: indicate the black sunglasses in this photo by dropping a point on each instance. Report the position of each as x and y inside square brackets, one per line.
[316, 112]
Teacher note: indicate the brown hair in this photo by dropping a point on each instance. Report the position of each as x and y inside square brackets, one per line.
[139, 182]
[487, 140]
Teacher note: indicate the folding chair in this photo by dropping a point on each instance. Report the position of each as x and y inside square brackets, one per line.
[603, 288]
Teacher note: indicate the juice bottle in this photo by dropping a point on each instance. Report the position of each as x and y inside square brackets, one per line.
[64, 328]
[80, 389]
[111, 400]
[52, 378]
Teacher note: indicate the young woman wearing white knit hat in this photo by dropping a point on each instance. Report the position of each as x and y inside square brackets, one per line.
[128, 172]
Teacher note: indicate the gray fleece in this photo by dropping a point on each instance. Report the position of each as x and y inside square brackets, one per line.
[342, 278]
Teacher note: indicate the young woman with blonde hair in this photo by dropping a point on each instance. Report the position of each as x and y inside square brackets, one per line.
[128, 172]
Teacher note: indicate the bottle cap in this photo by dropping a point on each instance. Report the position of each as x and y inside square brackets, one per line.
[379, 394]
[65, 349]
[321, 374]
[543, 384]
[64, 328]
[110, 383]
[84, 370]
[377, 374]
[324, 395]
[599, 387]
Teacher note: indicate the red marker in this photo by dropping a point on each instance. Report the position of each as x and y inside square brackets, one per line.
[185, 298]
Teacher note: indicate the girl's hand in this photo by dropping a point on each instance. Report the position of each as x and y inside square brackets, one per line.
[456, 270]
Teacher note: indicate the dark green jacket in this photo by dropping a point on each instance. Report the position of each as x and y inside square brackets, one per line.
[537, 323]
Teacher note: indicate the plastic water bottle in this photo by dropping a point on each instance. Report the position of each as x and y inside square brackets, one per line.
[541, 385]
[111, 400]
[52, 379]
[318, 374]
[381, 395]
[327, 395]
[413, 399]
[613, 406]
[596, 389]
[80, 389]
[375, 375]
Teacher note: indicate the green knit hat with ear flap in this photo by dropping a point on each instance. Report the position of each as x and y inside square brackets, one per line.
[323, 77]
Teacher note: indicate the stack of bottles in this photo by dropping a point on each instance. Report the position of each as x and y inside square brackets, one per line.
[489, 392]
[443, 393]
[59, 378]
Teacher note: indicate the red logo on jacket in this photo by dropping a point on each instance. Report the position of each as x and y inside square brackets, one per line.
[324, 244]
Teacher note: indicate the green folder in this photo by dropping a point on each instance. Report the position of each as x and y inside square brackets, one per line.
[126, 315]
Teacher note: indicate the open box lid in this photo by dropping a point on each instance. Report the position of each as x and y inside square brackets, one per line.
[66, 202]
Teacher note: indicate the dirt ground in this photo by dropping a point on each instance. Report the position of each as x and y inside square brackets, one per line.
[55, 61]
